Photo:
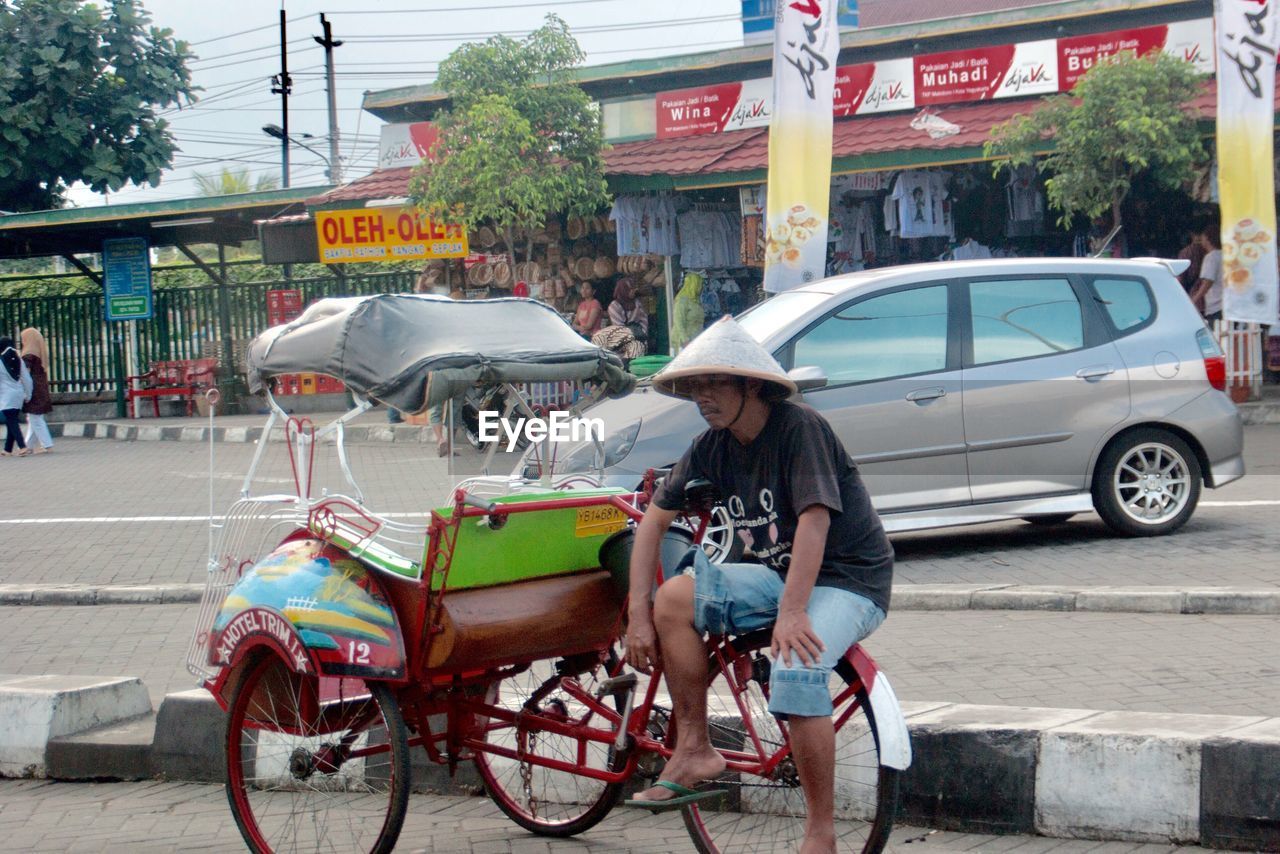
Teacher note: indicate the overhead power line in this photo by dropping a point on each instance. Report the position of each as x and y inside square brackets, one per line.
[532, 8]
[387, 38]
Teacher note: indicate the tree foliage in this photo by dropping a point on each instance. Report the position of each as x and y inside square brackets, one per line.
[81, 90]
[520, 138]
[231, 181]
[1126, 116]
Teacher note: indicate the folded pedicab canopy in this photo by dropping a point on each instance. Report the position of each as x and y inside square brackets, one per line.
[415, 351]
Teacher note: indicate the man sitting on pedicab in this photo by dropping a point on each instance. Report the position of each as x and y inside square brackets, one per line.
[823, 577]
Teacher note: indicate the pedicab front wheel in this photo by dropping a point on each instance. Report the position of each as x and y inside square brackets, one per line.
[312, 773]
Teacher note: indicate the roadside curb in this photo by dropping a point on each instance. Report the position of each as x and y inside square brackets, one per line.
[1217, 601]
[1067, 773]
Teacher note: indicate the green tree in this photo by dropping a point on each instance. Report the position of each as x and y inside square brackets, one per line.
[81, 90]
[231, 181]
[1126, 116]
[520, 138]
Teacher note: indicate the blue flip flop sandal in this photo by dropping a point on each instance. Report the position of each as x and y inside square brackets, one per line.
[684, 795]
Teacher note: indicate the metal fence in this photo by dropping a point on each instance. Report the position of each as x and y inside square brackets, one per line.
[87, 354]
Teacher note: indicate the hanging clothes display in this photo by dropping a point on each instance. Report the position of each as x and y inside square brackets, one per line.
[970, 249]
[710, 238]
[921, 205]
[687, 315]
[1025, 203]
[646, 225]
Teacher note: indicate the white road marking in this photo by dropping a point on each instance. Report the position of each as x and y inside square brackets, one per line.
[109, 520]
[93, 520]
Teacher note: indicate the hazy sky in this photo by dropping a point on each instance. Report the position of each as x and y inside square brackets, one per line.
[389, 44]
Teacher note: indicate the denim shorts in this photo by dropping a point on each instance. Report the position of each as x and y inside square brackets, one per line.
[735, 598]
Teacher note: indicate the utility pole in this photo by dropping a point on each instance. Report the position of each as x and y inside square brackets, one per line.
[335, 168]
[281, 85]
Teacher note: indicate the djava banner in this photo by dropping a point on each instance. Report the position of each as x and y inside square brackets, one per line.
[806, 44]
[1247, 42]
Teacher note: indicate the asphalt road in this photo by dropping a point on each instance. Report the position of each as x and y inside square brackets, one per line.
[112, 512]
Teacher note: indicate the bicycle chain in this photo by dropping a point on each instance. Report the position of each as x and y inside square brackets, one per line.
[526, 777]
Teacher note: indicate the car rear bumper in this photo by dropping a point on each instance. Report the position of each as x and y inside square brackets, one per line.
[1215, 423]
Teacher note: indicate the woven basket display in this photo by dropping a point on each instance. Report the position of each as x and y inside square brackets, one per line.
[485, 237]
[575, 229]
[502, 277]
[584, 268]
[602, 267]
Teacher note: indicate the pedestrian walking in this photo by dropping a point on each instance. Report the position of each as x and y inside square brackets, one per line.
[1193, 252]
[35, 355]
[15, 390]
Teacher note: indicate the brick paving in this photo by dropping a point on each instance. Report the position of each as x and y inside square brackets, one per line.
[164, 817]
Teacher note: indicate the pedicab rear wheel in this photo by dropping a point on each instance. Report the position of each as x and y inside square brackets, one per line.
[542, 800]
[767, 814]
[332, 778]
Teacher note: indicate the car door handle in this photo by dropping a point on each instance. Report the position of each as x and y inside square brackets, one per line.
[922, 394]
[1095, 372]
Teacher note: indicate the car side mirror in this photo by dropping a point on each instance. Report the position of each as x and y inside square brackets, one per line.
[808, 377]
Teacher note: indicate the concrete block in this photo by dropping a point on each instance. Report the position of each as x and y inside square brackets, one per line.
[356, 433]
[915, 708]
[180, 593]
[253, 434]
[127, 434]
[380, 433]
[190, 740]
[1131, 600]
[974, 767]
[193, 434]
[69, 594]
[128, 595]
[73, 430]
[937, 597]
[1025, 599]
[171, 434]
[1125, 775]
[35, 709]
[1240, 789]
[1232, 601]
[234, 434]
[120, 751]
[148, 434]
[17, 594]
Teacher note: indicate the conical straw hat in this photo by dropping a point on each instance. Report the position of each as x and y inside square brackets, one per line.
[725, 348]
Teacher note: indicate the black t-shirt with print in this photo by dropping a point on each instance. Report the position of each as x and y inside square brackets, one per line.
[795, 462]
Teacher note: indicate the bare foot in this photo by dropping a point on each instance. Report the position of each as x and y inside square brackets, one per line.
[819, 843]
[686, 770]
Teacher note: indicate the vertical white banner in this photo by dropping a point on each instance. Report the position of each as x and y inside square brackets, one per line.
[806, 46]
[1246, 45]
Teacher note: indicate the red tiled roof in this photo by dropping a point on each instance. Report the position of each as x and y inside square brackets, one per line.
[747, 150]
[685, 155]
[379, 184]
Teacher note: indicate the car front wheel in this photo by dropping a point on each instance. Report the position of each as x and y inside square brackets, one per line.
[1147, 483]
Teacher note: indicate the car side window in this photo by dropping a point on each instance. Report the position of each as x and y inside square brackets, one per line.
[1023, 318]
[893, 335]
[1126, 301]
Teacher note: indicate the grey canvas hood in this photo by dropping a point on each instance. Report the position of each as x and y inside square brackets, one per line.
[387, 346]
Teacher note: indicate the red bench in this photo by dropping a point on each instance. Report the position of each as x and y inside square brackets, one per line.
[180, 378]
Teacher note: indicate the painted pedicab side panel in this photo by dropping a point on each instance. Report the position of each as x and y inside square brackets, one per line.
[335, 614]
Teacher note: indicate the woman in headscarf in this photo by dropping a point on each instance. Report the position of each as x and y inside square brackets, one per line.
[35, 355]
[688, 316]
[626, 310]
[15, 390]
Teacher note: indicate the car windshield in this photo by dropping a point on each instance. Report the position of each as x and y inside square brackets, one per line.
[777, 312]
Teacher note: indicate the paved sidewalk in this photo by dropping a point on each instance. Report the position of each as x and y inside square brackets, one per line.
[165, 817]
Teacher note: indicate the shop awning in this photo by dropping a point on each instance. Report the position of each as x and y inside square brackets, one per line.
[861, 144]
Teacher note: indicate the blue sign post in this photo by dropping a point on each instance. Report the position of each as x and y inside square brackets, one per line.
[126, 275]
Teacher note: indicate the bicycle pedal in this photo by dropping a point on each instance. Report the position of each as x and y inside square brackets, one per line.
[618, 684]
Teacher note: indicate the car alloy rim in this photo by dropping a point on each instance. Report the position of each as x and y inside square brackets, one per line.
[1152, 483]
[717, 540]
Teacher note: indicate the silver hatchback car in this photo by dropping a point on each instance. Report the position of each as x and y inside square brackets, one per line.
[976, 391]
